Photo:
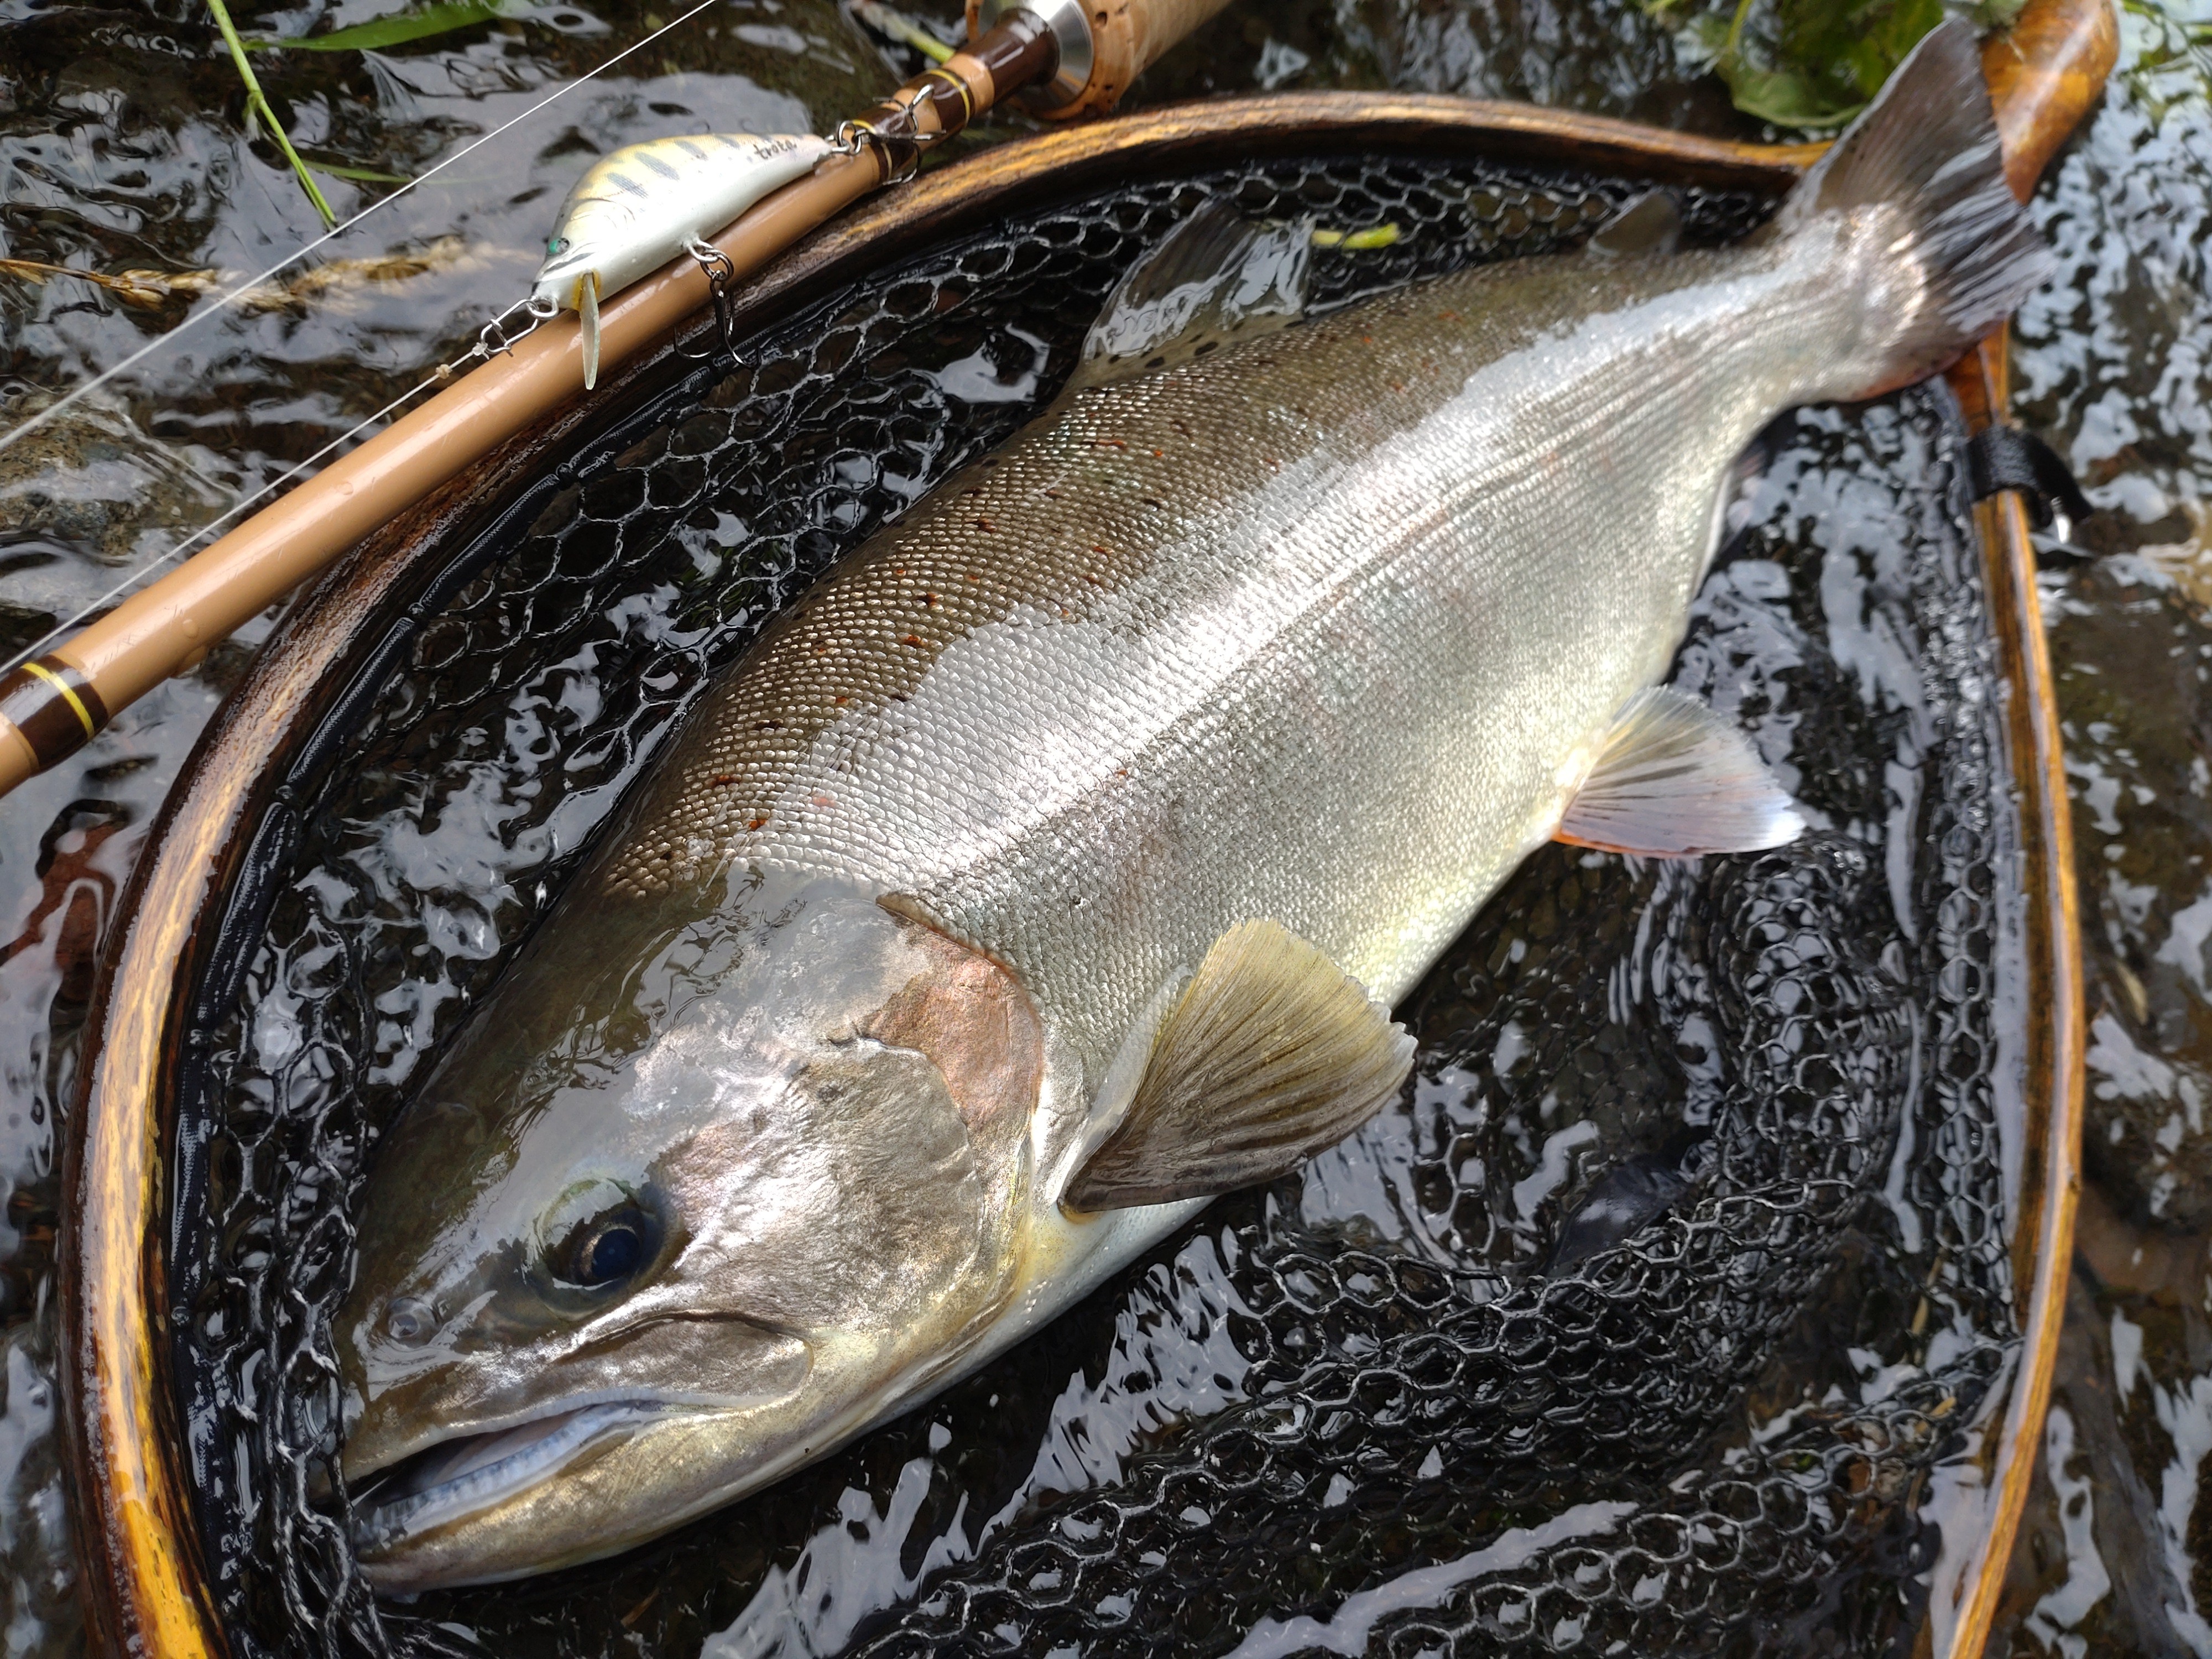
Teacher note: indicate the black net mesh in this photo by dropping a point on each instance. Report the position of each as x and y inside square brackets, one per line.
[1642, 1323]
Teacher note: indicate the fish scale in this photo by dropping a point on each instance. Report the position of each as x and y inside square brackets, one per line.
[1413, 525]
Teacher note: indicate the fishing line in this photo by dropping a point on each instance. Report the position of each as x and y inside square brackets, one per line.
[8, 438]
[491, 338]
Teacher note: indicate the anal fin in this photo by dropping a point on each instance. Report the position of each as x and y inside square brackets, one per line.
[1271, 1053]
[1675, 780]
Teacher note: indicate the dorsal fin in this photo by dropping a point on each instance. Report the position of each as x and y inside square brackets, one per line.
[1217, 276]
[1271, 1053]
[1675, 780]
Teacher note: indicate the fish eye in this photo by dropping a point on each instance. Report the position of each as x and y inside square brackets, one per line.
[612, 1246]
[408, 1321]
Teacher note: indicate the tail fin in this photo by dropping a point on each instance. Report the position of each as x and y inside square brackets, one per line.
[1927, 148]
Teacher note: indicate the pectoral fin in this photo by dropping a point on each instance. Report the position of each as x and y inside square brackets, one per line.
[1217, 276]
[1675, 780]
[1271, 1053]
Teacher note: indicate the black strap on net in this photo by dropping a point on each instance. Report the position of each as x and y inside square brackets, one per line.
[2002, 458]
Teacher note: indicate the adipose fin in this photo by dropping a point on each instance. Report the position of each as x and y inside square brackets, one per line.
[1652, 223]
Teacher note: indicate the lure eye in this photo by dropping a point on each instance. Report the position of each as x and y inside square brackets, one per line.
[612, 1247]
[557, 245]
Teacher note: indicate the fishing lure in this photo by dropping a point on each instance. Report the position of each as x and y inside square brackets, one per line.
[637, 210]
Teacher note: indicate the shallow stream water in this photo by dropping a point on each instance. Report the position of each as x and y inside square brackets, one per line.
[122, 145]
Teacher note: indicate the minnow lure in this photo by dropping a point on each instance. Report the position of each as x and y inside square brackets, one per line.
[637, 210]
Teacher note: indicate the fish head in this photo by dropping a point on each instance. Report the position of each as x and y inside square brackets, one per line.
[685, 1207]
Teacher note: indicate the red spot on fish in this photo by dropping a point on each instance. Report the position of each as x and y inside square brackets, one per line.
[1159, 454]
[723, 779]
[986, 525]
[929, 598]
[911, 639]
[842, 701]
[824, 800]
[758, 822]
[1109, 443]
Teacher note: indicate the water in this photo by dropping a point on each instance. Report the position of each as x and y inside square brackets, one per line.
[123, 147]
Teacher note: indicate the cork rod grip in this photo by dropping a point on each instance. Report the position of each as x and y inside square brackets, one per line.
[1126, 38]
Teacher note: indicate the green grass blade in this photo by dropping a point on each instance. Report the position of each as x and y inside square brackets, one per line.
[885, 21]
[360, 175]
[416, 23]
[256, 101]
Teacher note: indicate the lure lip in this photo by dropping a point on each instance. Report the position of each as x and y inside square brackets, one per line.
[587, 317]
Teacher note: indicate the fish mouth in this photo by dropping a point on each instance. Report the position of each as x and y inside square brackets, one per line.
[463, 1476]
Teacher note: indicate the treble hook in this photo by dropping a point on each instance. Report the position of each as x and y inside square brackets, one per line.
[721, 286]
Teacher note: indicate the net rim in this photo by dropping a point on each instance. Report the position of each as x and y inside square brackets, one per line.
[175, 953]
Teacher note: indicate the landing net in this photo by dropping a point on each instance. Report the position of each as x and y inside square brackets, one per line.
[1380, 1405]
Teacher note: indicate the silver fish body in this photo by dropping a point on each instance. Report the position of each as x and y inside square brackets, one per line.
[1246, 680]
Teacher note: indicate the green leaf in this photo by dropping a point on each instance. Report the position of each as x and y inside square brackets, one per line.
[418, 23]
[1782, 96]
[1815, 63]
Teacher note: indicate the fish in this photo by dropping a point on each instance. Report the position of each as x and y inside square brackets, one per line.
[634, 211]
[1051, 867]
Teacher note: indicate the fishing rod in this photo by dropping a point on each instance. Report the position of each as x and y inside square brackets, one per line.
[226, 301]
[1069, 57]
